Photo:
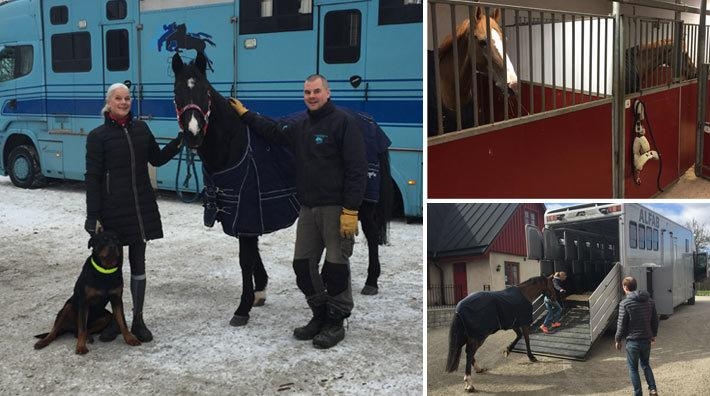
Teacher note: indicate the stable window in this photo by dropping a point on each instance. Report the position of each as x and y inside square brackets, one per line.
[400, 11]
[71, 52]
[642, 237]
[632, 235]
[117, 56]
[512, 273]
[265, 16]
[530, 218]
[342, 36]
[655, 239]
[15, 61]
[58, 15]
[116, 9]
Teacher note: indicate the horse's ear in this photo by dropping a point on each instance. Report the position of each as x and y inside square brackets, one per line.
[479, 13]
[177, 64]
[496, 15]
[201, 62]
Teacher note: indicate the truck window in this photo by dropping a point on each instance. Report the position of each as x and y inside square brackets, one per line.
[116, 9]
[117, 56]
[632, 235]
[642, 237]
[15, 61]
[400, 11]
[342, 36]
[265, 16]
[687, 246]
[655, 239]
[71, 52]
[649, 238]
[58, 15]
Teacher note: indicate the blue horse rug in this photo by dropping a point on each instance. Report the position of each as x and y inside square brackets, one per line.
[376, 143]
[255, 196]
[484, 313]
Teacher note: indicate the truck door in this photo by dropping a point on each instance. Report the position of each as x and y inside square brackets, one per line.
[662, 282]
[119, 51]
[341, 56]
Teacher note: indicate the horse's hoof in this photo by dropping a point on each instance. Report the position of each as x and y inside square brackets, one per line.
[369, 290]
[259, 298]
[470, 388]
[480, 370]
[532, 359]
[239, 320]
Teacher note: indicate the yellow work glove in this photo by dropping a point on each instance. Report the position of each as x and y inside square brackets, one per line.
[238, 106]
[348, 223]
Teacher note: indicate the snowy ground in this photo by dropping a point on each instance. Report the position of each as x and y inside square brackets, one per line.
[194, 283]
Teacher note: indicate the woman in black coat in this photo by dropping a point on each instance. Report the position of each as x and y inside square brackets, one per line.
[119, 196]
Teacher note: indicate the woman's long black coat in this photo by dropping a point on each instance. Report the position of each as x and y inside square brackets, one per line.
[118, 190]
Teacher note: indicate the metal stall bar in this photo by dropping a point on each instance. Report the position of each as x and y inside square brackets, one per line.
[437, 73]
[542, 60]
[489, 47]
[574, 64]
[599, 55]
[455, 49]
[531, 109]
[702, 91]
[564, 62]
[474, 77]
[517, 61]
[617, 131]
[591, 51]
[554, 63]
[505, 66]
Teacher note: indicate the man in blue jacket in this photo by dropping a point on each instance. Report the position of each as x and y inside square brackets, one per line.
[638, 322]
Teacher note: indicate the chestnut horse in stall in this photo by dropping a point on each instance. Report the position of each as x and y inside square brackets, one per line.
[651, 64]
[502, 73]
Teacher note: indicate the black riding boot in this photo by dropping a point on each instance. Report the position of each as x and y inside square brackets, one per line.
[138, 327]
[332, 332]
[314, 326]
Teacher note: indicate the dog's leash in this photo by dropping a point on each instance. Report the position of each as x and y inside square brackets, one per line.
[190, 165]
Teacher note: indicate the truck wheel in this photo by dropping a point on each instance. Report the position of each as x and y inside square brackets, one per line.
[23, 167]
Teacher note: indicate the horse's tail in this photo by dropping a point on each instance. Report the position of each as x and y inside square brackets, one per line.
[457, 339]
[383, 208]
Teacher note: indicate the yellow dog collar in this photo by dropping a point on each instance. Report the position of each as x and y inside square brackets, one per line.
[102, 269]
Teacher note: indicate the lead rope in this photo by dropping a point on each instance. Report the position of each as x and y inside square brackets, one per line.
[190, 164]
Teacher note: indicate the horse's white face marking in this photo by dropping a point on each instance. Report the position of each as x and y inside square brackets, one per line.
[193, 126]
[511, 78]
[191, 83]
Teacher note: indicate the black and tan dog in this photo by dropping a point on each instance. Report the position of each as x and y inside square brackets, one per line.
[100, 282]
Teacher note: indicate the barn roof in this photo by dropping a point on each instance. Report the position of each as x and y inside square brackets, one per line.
[457, 229]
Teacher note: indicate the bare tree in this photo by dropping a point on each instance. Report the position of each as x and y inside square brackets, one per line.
[701, 234]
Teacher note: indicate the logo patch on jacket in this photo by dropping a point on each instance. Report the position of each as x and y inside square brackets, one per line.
[319, 139]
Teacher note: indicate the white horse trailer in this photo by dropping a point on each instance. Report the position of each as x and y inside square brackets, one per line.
[598, 245]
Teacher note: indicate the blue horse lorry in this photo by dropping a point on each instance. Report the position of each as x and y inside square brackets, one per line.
[58, 58]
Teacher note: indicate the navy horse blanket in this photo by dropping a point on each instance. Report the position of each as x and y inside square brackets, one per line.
[484, 313]
[257, 195]
[376, 144]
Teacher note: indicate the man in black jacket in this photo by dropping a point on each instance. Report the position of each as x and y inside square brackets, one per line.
[638, 322]
[331, 173]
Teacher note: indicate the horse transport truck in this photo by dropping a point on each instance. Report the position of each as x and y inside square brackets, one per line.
[58, 58]
[597, 245]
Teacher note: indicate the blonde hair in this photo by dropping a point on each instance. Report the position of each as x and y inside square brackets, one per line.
[109, 92]
[558, 275]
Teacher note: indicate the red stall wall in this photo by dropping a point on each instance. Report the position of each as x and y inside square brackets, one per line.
[662, 110]
[706, 146]
[688, 118]
[559, 157]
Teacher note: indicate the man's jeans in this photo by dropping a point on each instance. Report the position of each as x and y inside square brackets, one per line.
[554, 312]
[639, 350]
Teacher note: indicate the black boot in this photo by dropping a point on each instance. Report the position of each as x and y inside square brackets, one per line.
[139, 329]
[110, 332]
[332, 332]
[314, 326]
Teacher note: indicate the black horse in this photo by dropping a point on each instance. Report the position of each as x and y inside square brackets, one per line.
[215, 130]
[482, 314]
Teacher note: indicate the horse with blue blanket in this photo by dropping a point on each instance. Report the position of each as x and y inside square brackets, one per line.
[484, 313]
[250, 183]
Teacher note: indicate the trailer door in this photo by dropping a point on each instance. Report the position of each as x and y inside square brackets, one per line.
[341, 57]
[662, 281]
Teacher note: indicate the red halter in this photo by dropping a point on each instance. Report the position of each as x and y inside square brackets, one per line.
[206, 115]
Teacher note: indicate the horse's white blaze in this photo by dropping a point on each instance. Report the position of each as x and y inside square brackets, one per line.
[193, 126]
[191, 83]
[511, 77]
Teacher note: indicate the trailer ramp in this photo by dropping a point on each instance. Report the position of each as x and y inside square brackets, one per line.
[584, 319]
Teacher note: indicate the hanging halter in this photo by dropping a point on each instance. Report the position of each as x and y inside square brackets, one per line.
[205, 115]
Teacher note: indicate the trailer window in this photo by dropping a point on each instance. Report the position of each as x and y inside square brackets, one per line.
[400, 11]
[642, 237]
[71, 52]
[116, 9]
[117, 56]
[15, 62]
[342, 37]
[58, 15]
[265, 16]
[655, 239]
[687, 246]
[632, 235]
